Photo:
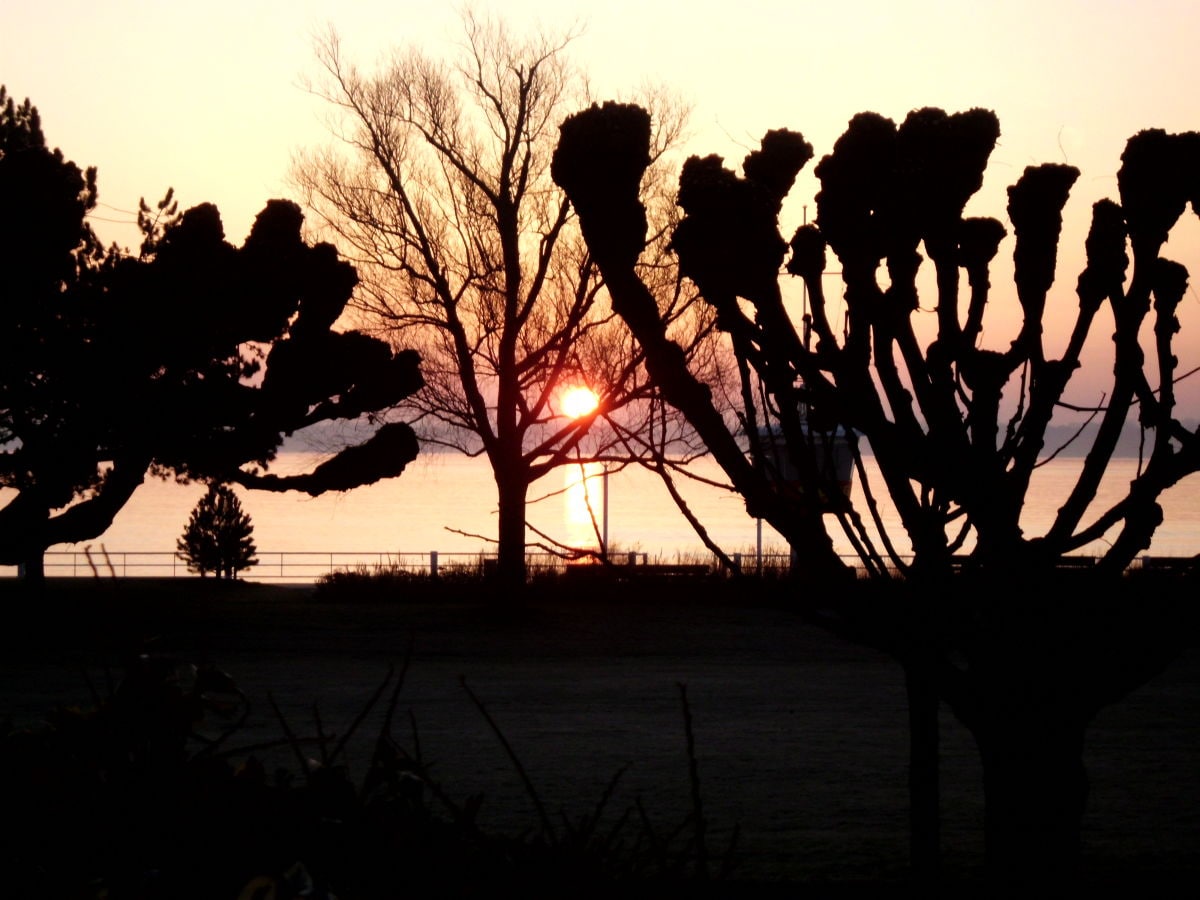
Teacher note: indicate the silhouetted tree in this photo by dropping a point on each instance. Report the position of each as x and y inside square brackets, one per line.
[442, 198]
[218, 535]
[192, 359]
[1023, 654]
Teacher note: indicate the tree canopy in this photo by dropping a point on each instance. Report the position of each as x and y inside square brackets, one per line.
[440, 192]
[192, 359]
[957, 427]
[982, 616]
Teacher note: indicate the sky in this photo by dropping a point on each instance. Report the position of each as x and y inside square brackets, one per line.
[209, 99]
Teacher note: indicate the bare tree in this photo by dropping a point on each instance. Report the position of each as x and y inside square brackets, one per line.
[986, 619]
[440, 193]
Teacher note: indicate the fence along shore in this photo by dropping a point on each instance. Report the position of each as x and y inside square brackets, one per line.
[310, 566]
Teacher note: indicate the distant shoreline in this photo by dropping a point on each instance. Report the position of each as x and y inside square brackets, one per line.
[1069, 441]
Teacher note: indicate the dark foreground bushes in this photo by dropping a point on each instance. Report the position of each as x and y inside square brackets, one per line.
[143, 795]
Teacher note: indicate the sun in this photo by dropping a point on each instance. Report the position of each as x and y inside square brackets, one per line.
[578, 401]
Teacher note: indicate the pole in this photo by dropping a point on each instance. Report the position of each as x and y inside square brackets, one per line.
[604, 517]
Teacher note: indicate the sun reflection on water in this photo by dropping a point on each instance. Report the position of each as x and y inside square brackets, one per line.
[583, 492]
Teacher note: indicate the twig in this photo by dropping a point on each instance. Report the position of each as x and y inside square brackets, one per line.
[322, 742]
[112, 571]
[341, 744]
[87, 554]
[547, 827]
[694, 778]
[291, 738]
[395, 698]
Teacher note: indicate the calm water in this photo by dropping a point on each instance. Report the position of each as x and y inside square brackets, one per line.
[446, 503]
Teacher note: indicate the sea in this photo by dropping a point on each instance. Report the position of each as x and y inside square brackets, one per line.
[445, 504]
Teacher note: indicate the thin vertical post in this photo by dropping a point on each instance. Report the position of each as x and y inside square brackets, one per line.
[758, 549]
[604, 530]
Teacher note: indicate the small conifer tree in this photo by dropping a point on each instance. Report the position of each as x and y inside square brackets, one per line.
[217, 537]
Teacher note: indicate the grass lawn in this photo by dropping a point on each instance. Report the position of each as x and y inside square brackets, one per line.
[521, 720]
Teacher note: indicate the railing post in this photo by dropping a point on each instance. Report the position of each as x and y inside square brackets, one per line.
[433, 565]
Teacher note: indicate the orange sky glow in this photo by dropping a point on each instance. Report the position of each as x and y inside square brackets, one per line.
[208, 99]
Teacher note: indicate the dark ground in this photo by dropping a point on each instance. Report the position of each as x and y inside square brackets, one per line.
[800, 738]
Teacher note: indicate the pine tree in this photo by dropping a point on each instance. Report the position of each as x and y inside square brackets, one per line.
[217, 537]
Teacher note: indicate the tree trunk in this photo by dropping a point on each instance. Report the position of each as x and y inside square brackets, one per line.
[33, 569]
[924, 793]
[1035, 791]
[24, 536]
[512, 490]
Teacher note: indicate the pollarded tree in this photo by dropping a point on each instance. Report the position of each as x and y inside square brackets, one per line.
[442, 197]
[218, 537]
[192, 359]
[1023, 654]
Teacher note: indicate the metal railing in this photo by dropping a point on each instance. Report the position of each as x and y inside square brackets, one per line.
[293, 566]
[302, 566]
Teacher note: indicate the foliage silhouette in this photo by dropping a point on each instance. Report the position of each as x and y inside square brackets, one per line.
[1024, 654]
[147, 794]
[217, 537]
[192, 359]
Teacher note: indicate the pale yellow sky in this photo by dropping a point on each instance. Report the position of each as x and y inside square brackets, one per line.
[207, 98]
